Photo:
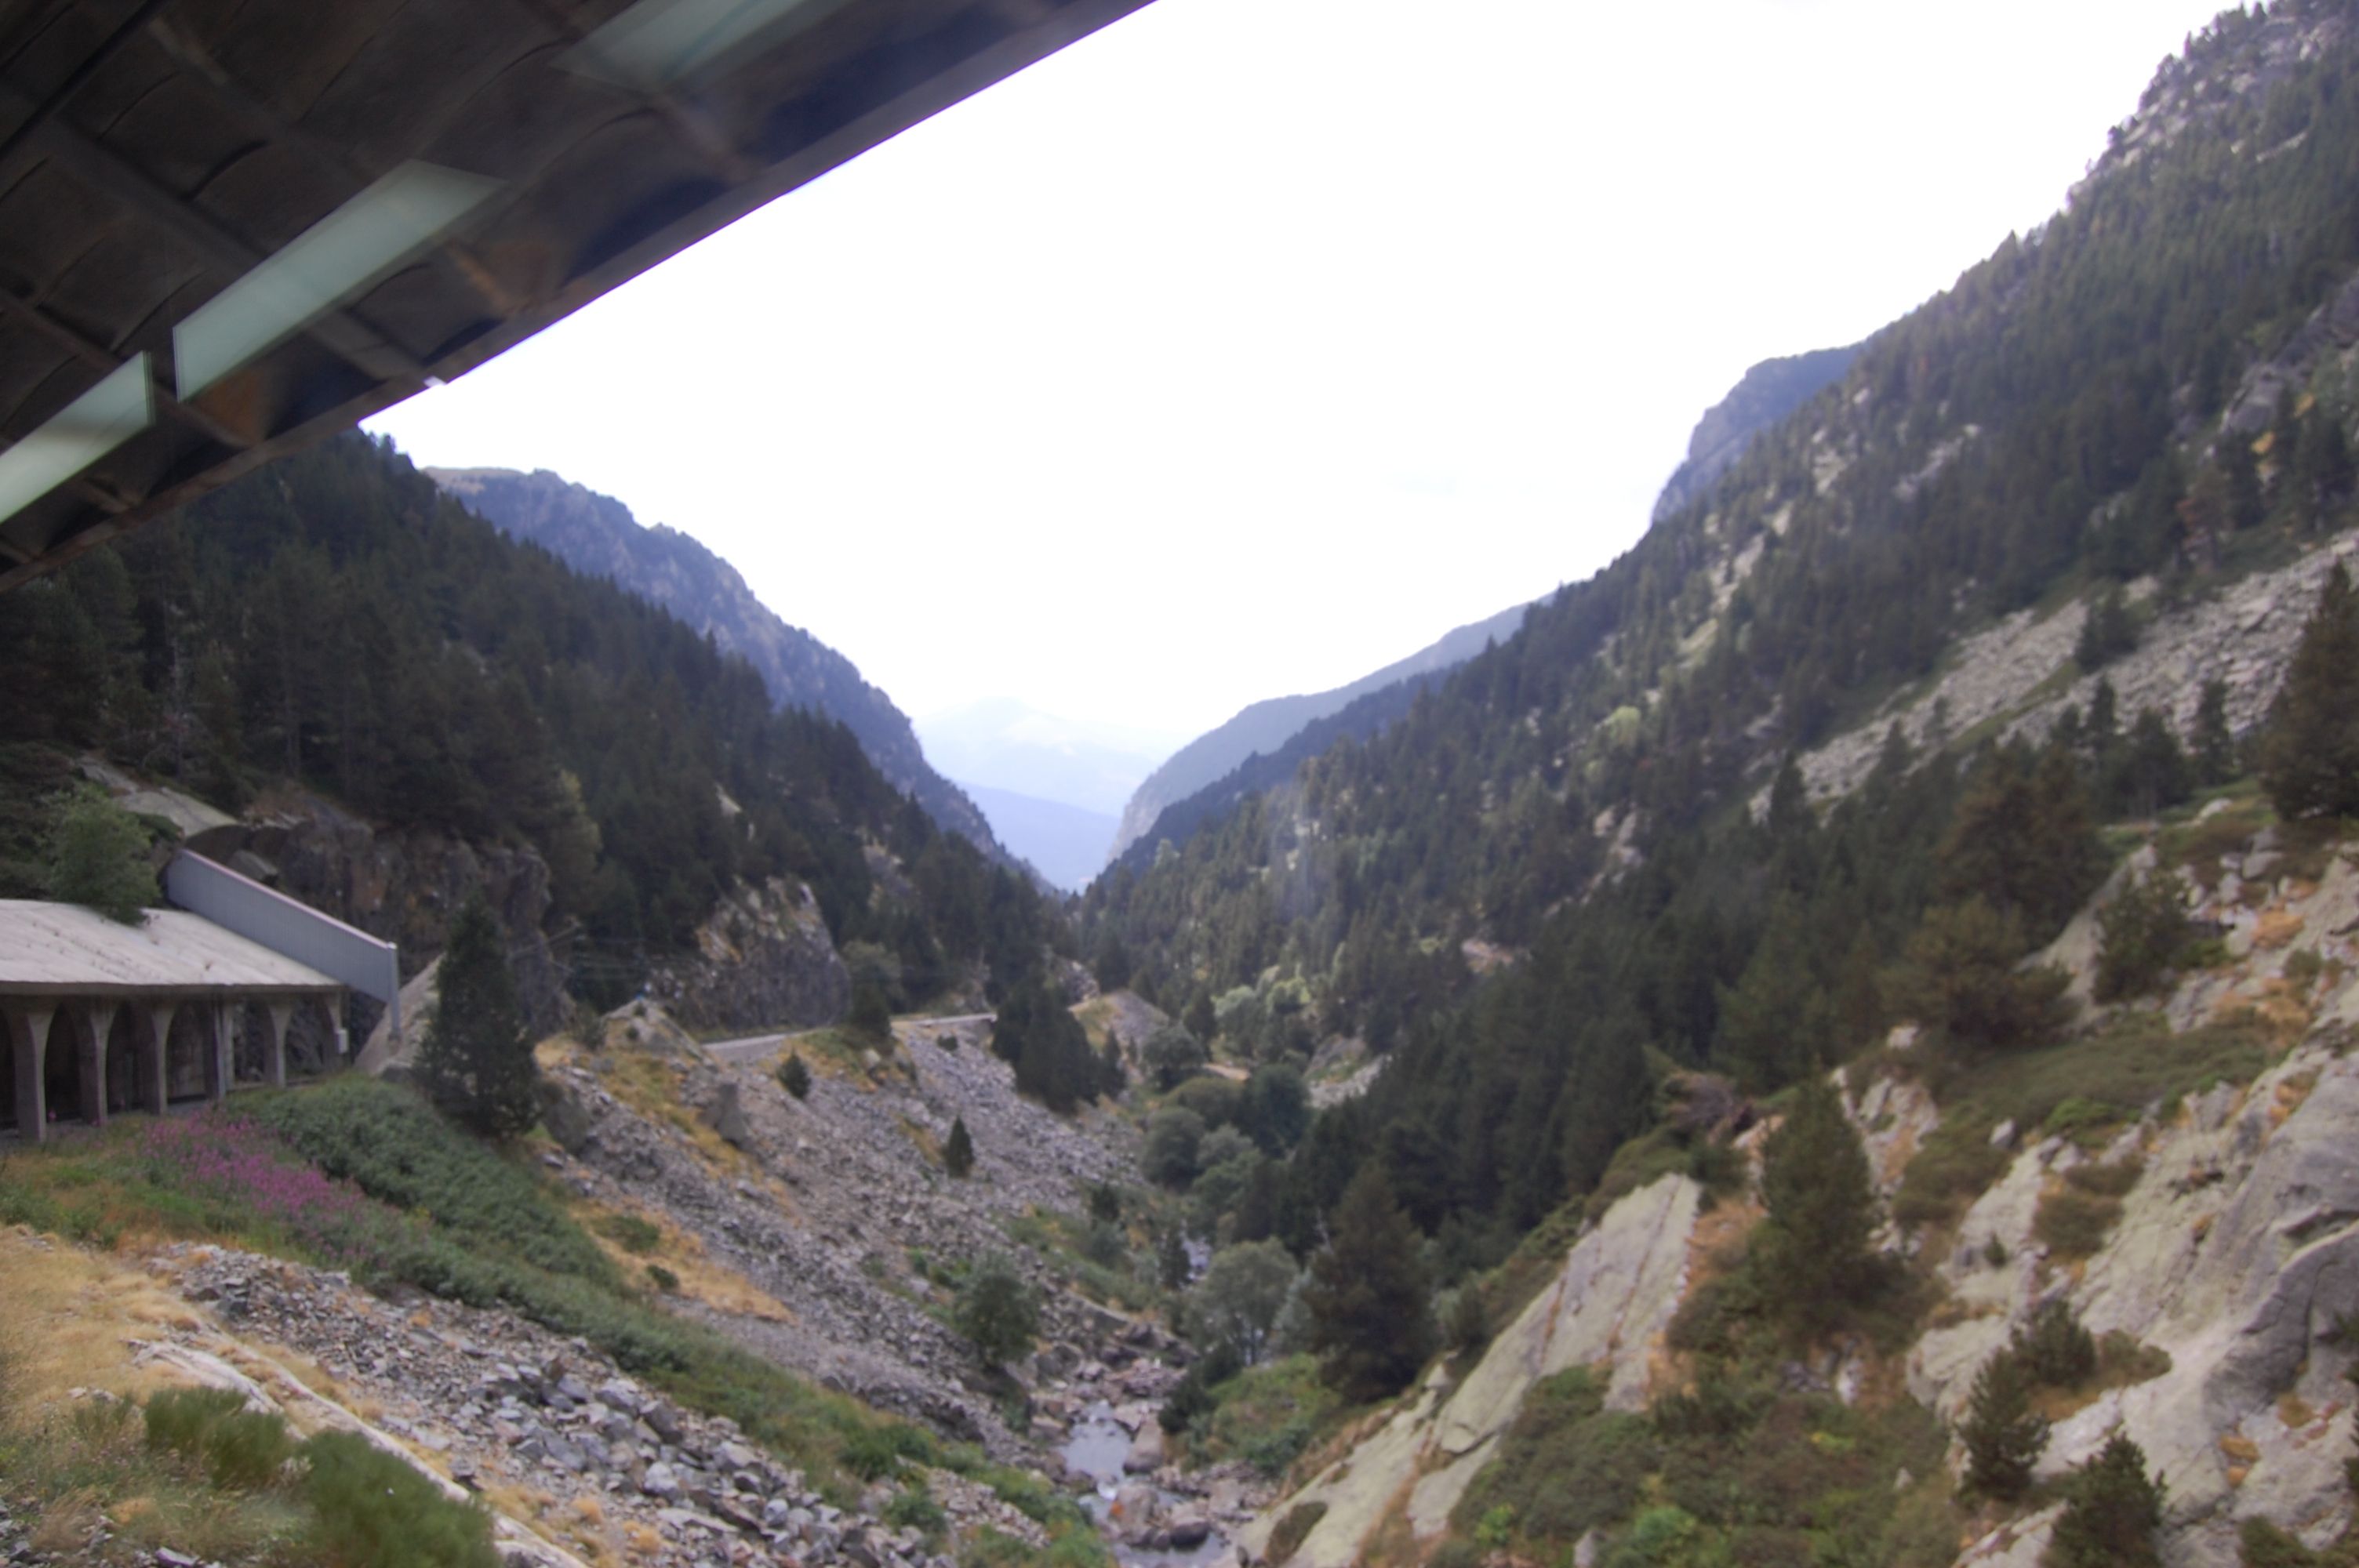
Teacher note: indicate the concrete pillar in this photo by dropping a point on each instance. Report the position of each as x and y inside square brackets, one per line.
[159, 1039]
[221, 1061]
[93, 1070]
[274, 1057]
[28, 1039]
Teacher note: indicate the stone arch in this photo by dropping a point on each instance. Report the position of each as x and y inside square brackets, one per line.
[130, 1076]
[72, 1070]
[311, 1039]
[15, 1042]
[250, 1052]
[189, 1059]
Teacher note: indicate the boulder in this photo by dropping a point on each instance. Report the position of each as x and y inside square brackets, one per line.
[1148, 1451]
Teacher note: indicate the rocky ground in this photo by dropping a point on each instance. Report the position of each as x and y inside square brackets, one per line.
[828, 1203]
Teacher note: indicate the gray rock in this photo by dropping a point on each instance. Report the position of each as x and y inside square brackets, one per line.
[660, 1481]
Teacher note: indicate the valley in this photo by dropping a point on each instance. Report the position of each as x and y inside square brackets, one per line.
[1829, 1041]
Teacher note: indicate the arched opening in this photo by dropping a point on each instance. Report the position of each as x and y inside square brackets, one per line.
[311, 1040]
[68, 1066]
[250, 1057]
[189, 1053]
[10, 1029]
[130, 1063]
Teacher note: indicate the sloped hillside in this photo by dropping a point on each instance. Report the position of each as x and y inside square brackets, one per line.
[2143, 408]
[2173, 1186]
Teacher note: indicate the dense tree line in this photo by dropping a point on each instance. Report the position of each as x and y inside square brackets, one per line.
[335, 620]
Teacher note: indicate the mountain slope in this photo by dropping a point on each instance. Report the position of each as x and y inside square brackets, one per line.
[2150, 396]
[596, 534]
[1214, 763]
[1010, 745]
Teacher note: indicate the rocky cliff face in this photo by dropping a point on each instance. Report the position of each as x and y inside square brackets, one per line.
[403, 886]
[1765, 396]
[597, 534]
[762, 960]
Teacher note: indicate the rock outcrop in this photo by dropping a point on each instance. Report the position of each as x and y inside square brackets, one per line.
[762, 960]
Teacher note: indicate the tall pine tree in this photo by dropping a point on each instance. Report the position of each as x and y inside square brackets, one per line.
[476, 1061]
[1371, 1324]
[2310, 754]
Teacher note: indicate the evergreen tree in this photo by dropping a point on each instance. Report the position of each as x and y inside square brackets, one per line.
[958, 1154]
[997, 1312]
[1172, 1054]
[794, 1076]
[2309, 752]
[2111, 1513]
[2107, 633]
[872, 1013]
[1371, 1324]
[1172, 1264]
[98, 858]
[1958, 975]
[1813, 1244]
[2215, 746]
[2141, 934]
[476, 1060]
[1775, 1023]
[2002, 1434]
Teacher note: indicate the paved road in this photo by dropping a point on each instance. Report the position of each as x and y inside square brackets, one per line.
[754, 1047]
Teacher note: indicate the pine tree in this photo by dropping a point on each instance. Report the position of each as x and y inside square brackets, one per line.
[958, 1154]
[1815, 1184]
[794, 1076]
[997, 1312]
[1775, 1022]
[2002, 1434]
[2310, 753]
[872, 1014]
[1371, 1324]
[2114, 1511]
[2215, 746]
[476, 1061]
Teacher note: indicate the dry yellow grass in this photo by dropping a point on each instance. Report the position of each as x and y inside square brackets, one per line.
[700, 1278]
[69, 1316]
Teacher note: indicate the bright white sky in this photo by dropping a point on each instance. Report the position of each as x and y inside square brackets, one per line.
[1251, 344]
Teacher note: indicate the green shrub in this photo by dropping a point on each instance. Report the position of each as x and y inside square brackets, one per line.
[630, 1232]
[2113, 1512]
[997, 1312]
[374, 1512]
[794, 1076]
[875, 1451]
[2053, 1346]
[2076, 1117]
[663, 1279]
[2142, 931]
[240, 1449]
[2265, 1546]
[913, 1508]
[1293, 1530]
[1450, 1553]
[1567, 1465]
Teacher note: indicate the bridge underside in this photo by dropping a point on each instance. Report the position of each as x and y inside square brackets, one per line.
[229, 228]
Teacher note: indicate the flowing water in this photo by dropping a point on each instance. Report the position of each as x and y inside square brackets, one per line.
[1095, 1448]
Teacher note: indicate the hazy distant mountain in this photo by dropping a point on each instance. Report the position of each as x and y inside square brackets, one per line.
[1065, 843]
[597, 534]
[1268, 725]
[1768, 394]
[1009, 746]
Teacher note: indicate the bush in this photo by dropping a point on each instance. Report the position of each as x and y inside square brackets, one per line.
[631, 1232]
[374, 1512]
[1293, 1530]
[663, 1279]
[2074, 1220]
[914, 1509]
[871, 1013]
[98, 858]
[2265, 1546]
[958, 1154]
[240, 1449]
[2142, 932]
[794, 1076]
[2053, 1347]
[1173, 1136]
[2112, 1514]
[1470, 1321]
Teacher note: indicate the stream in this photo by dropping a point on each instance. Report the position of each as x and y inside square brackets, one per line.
[1095, 1447]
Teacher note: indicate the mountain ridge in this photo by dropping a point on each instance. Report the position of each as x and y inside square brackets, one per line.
[598, 535]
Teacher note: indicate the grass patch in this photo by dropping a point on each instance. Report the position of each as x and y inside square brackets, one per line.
[632, 1233]
[401, 1197]
[2080, 1085]
[2074, 1219]
[1268, 1416]
[1293, 1530]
